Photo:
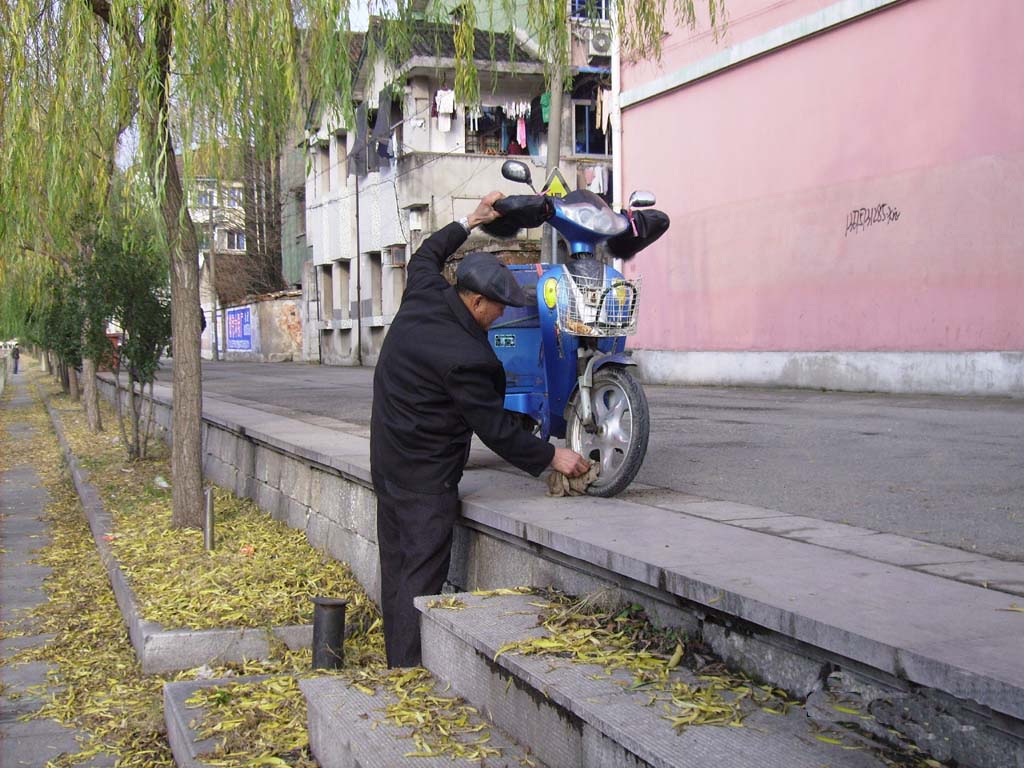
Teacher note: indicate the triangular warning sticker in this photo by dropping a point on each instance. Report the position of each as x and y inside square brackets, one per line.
[556, 186]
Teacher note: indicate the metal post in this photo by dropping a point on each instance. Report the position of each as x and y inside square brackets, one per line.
[328, 632]
[208, 521]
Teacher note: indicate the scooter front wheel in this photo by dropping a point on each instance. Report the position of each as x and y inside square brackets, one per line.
[623, 426]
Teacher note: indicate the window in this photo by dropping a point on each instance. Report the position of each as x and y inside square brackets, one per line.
[236, 240]
[589, 9]
[206, 198]
[376, 283]
[323, 169]
[590, 139]
[326, 291]
[394, 256]
[492, 132]
[234, 195]
[203, 236]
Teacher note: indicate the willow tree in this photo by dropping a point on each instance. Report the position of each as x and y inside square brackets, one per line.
[80, 77]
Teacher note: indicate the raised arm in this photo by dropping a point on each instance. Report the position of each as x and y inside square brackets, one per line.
[424, 270]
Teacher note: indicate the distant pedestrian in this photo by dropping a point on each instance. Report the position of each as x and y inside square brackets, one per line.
[15, 356]
[438, 381]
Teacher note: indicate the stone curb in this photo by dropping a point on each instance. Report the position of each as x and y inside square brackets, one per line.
[158, 649]
[185, 747]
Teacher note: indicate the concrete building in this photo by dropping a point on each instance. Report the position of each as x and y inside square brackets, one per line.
[219, 217]
[406, 168]
[844, 180]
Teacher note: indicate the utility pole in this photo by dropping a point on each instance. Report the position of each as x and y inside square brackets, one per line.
[554, 147]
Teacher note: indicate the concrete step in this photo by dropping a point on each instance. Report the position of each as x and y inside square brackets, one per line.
[573, 714]
[348, 729]
[181, 733]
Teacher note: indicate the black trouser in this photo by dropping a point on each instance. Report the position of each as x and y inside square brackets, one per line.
[414, 535]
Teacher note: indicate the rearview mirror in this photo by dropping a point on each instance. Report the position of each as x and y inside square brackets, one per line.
[642, 199]
[517, 170]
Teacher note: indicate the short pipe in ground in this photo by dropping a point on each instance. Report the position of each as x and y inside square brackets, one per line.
[328, 632]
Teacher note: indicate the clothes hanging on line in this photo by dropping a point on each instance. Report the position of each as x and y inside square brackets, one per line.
[599, 184]
[473, 115]
[545, 107]
[514, 110]
[521, 131]
[445, 101]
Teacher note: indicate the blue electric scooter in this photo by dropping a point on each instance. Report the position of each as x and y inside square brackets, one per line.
[565, 364]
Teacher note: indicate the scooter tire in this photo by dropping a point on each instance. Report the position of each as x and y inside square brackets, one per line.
[621, 448]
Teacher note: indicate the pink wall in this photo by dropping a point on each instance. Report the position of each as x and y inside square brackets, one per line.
[917, 107]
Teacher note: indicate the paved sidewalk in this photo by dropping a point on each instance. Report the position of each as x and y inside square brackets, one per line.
[24, 686]
[942, 470]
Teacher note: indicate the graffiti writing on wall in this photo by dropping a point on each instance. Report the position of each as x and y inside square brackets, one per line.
[860, 219]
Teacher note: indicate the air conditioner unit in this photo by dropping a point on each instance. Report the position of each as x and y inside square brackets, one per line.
[600, 43]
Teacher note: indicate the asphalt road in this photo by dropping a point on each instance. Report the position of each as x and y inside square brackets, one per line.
[948, 470]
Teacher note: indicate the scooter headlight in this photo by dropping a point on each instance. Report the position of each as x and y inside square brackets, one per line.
[604, 221]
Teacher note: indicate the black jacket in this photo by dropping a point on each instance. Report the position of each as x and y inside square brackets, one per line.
[437, 382]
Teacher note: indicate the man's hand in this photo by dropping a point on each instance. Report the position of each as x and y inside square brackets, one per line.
[569, 463]
[485, 213]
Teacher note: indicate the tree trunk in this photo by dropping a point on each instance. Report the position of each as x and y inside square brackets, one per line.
[119, 407]
[73, 384]
[147, 423]
[44, 361]
[92, 395]
[133, 412]
[186, 460]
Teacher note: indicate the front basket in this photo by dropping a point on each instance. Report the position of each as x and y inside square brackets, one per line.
[604, 306]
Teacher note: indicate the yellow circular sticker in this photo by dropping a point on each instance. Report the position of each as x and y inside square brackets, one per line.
[551, 292]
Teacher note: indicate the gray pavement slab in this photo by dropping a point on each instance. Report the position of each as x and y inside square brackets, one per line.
[986, 572]
[26, 685]
[806, 529]
[723, 511]
[901, 550]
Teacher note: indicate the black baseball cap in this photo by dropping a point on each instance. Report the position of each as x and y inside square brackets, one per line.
[482, 273]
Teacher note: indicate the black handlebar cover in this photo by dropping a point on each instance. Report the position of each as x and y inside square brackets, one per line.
[650, 225]
[519, 212]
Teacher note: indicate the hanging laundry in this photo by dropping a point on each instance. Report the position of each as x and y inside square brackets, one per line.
[545, 107]
[445, 101]
[473, 115]
[521, 131]
[606, 114]
[599, 185]
[516, 109]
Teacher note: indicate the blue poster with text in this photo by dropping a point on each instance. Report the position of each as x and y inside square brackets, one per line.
[239, 329]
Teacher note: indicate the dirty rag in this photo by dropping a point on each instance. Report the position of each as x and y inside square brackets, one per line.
[562, 485]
